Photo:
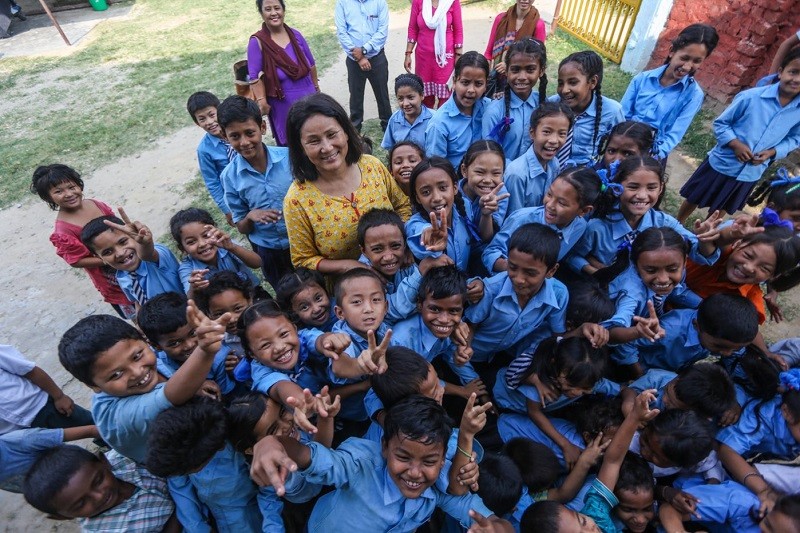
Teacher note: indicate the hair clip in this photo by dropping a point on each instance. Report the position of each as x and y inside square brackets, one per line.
[790, 380]
[625, 245]
[771, 218]
[500, 129]
[607, 177]
[783, 178]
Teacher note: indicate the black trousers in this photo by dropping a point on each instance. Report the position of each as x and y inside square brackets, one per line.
[378, 77]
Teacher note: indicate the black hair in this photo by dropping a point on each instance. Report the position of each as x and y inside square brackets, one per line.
[366, 145]
[542, 516]
[649, 240]
[379, 217]
[599, 413]
[244, 412]
[684, 436]
[695, 34]
[200, 100]
[184, 438]
[237, 108]
[500, 487]
[574, 358]
[420, 419]
[219, 282]
[435, 162]
[420, 151]
[728, 316]
[443, 282]
[537, 50]
[302, 110]
[537, 464]
[608, 201]
[789, 505]
[161, 315]
[591, 65]
[412, 81]
[642, 134]
[260, 4]
[787, 254]
[95, 227]
[759, 376]
[588, 302]
[187, 216]
[251, 315]
[46, 177]
[551, 109]
[586, 183]
[780, 198]
[294, 282]
[51, 473]
[82, 344]
[706, 389]
[635, 474]
[477, 148]
[353, 273]
[471, 59]
[537, 240]
[405, 371]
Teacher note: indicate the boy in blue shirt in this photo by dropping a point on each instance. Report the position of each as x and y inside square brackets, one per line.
[144, 269]
[255, 183]
[213, 153]
[395, 484]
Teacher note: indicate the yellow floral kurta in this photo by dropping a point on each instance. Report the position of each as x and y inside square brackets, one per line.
[324, 227]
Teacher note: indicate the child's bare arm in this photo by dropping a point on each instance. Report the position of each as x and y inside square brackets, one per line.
[327, 409]
[472, 422]
[351, 389]
[274, 458]
[671, 519]
[81, 432]
[577, 476]
[746, 474]
[42, 379]
[87, 262]
[571, 452]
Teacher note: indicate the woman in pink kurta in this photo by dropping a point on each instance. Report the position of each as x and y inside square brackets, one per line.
[435, 29]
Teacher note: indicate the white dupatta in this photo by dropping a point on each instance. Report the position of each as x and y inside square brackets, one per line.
[437, 20]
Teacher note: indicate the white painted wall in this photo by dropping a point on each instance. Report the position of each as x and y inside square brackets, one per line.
[650, 22]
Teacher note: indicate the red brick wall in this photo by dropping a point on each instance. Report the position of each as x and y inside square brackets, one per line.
[750, 32]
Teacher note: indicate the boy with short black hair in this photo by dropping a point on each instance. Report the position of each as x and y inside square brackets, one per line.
[255, 183]
[214, 152]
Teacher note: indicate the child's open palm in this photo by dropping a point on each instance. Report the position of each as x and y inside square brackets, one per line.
[210, 333]
[327, 407]
[641, 406]
[221, 239]
[373, 359]
[304, 408]
[135, 230]
[594, 451]
[434, 237]
[708, 230]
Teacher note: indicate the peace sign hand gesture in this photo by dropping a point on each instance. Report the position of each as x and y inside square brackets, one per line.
[434, 238]
[135, 230]
[649, 327]
[373, 359]
[491, 202]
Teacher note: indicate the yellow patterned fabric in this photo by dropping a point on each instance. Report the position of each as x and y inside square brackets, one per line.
[324, 227]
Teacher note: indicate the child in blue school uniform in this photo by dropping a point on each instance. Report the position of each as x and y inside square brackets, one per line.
[760, 126]
[507, 120]
[208, 250]
[781, 193]
[580, 81]
[626, 139]
[409, 122]
[401, 160]
[303, 296]
[568, 199]
[144, 269]
[528, 176]
[668, 97]
[457, 122]
[214, 152]
[628, 206]
[255, 183]
[727, 506]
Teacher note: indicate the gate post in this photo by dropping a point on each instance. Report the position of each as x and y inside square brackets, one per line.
[652, 19]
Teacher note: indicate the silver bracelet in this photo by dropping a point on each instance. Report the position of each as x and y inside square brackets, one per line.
[753, 473]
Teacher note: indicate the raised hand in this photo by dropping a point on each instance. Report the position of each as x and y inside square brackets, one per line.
[332, 345]
[304, 407]
[327, 408]
[474, 418]
[221, 239]
[434, 238]
[490, 202]
[744, 225]
[595, 333]
[475, 291]
[271, 464]
[641, 406]
[594, 451]
[197, 279]
[649, 327]
[135, 230]
[708, 229]
[373, 359]
[209, 332]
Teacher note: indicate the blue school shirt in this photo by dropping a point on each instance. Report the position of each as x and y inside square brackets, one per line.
[502, 325]
[450, 132]
[371, 499]
[515, 400]
[413, 333]
[398, 129]
[512, 425]
[655, 378]
[167, 366]
[308, 373]
[20, 448]
[401, 292]
[124, 422]
[460, 238]
[724, 507]
[517, 139]
[584, 141]
[756, 118]
[225, 261]
[247, 189]
[527, 181]
[498, 248]
[154, 278]
[668, 109]
[473, 207]
[678, 348]
[604, 235]
[761, 429]
[212, 156]
[362, 24]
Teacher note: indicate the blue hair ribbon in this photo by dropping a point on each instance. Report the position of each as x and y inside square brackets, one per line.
[785, 179]
[498, 133]
[625, 245]
[771, 218]
[607, 179]
[790, 380]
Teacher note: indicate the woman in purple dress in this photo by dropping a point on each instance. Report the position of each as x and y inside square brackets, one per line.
[279, 56]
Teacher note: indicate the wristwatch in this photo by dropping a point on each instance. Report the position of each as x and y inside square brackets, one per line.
[363, 51]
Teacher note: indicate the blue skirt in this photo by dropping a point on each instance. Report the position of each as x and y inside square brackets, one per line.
[716, 191]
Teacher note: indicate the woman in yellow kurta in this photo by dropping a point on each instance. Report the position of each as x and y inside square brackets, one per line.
[334, 184]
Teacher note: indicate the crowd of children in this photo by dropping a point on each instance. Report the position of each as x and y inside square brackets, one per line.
[539, 347]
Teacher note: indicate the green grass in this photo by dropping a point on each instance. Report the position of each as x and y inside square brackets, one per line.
[699, 139]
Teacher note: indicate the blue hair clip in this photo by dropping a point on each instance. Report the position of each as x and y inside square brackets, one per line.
[498, 133]
[790, 380]
[607, 177]
[625, 245]
[771, 218]
[785, 179]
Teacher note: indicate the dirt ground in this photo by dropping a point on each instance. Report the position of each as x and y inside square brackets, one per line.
[44, 297]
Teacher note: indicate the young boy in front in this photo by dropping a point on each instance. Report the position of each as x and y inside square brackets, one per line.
[144, 269]
[395, 485]
[213, 153]
[255, 184]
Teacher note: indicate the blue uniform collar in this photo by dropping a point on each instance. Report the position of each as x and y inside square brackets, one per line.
[400, 118]
[451, 108]
[273, 156]
[657, 73]
[392, 494]
[545, 296]
[533, 162]
[516, 102]
[620, 226]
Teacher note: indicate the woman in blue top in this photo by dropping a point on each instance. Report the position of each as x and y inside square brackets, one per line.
[668, 97]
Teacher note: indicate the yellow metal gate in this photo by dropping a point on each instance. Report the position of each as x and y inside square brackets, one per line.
[602, 24]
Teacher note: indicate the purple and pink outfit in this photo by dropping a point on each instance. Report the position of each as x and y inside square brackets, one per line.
[286, 74]
[435, 71]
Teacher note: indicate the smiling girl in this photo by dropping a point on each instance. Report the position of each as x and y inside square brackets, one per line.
[408, 123]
